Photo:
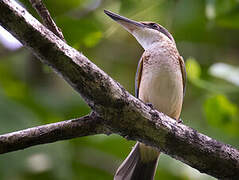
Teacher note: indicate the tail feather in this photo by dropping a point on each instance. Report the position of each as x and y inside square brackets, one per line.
[144, 171]
[134, 168]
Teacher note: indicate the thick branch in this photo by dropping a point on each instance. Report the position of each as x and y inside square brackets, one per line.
[87, 125]
[122, 113]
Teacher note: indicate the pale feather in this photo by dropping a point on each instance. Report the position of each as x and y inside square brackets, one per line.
[161, 80]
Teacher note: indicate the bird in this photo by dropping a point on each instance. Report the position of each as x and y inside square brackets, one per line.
[160, 82]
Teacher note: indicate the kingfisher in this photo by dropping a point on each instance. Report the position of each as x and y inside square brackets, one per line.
[160, 82]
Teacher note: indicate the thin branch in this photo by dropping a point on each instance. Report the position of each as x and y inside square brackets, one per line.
[43, 12]
[122, 113]
[84, 126]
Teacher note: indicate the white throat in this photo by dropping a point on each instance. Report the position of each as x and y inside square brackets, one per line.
[149, 37]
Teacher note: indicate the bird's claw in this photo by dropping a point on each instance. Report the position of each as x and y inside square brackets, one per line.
[180, 121]
[150, 105]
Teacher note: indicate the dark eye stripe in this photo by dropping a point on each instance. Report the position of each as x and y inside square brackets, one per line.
[165, 32]
[154, 25]
[162, 30]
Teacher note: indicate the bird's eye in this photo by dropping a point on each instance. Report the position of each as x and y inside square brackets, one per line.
[154, 25]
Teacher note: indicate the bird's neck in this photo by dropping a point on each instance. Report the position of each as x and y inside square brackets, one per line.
[164, 42]
[156, 44]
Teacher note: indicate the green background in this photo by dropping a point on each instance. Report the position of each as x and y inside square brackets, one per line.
[31, 94]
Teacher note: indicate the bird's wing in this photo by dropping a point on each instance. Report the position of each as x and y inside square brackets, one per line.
[184, 74]
[138, 76]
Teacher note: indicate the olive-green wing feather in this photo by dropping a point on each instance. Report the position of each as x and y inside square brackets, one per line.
[138, 77]
[184, 74]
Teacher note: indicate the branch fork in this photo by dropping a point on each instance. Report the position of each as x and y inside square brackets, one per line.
[115, 110]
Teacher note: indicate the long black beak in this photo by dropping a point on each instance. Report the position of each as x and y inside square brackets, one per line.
[128, 24]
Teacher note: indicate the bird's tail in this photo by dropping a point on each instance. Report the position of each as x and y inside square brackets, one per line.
[140, 164]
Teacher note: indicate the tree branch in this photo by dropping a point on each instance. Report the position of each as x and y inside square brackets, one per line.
[117, 107]
[84, 126]
[43, 12]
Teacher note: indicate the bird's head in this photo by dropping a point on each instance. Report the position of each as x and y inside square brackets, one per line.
[146, 33]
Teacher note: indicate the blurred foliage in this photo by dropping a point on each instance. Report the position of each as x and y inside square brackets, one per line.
[227, 114]
[193, 69]
[31, 94]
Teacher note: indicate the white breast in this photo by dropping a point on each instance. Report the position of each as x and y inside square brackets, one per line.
[161, 84]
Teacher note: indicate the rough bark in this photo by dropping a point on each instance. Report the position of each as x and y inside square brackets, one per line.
[43, 12]
[122, 113]
[84, 126]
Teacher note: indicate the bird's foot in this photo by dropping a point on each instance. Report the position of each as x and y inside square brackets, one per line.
[150, 105]
[180, 121]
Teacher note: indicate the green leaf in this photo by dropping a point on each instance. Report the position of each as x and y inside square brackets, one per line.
[57, 8]
[227, 14]
[193, 69]
[222, 113]
[80, 32]
[92, 39]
